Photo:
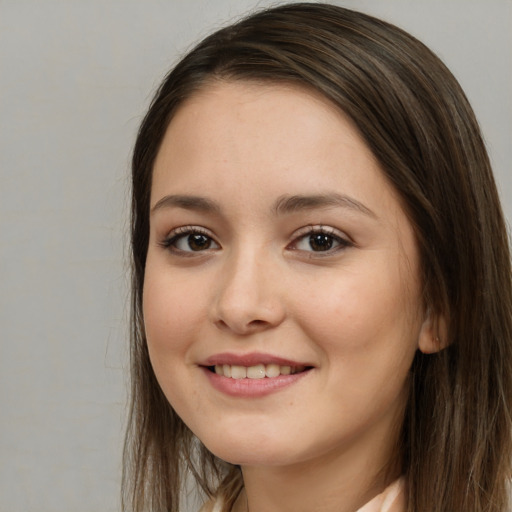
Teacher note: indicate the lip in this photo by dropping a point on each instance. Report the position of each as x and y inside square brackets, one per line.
[250, 359]
[251, 388]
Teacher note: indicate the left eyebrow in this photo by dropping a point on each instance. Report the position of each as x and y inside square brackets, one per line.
[290, 204]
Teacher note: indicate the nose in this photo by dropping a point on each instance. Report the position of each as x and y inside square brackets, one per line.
[248, 299]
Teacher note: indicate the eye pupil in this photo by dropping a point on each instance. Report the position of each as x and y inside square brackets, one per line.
[199, 242]
[320, 242]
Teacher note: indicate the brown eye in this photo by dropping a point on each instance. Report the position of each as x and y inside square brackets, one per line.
[198, 242]
[321, 241]
[190, 240]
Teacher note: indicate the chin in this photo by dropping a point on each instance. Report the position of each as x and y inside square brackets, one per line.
[251, 457]
[252, 449]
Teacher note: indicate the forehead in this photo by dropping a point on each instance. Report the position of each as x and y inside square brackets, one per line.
[232, 132]
[243, 97]
[259, 126]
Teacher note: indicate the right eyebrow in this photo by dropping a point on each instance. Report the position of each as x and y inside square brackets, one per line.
[196, 203]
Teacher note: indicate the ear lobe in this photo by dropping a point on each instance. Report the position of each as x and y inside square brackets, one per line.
[433, 335]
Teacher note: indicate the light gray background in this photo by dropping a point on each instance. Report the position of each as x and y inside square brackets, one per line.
[75, 79]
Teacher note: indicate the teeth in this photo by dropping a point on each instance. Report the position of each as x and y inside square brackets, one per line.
[256, 372]
[286, 370]
[273, 370]
[238, 372]
[259, 371]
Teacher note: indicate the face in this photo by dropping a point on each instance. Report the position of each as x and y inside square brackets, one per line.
[282, 296]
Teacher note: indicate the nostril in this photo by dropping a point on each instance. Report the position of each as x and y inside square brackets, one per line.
[242, 327]
[257, 323]
[221, 324]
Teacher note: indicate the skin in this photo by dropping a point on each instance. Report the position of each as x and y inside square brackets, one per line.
[353, 313]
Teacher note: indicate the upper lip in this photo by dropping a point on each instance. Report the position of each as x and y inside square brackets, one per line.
[251, 359]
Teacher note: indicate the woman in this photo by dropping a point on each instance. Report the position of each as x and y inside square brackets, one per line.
[321, 284]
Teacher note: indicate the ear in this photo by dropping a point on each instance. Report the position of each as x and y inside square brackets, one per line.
[433, 335]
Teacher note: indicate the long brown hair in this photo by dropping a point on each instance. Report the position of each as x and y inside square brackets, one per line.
[456, 443]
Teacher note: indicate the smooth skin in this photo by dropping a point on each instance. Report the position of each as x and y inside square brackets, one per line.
[273, 230]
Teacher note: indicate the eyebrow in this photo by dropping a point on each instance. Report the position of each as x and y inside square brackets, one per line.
[197, 203]
[291, 204]
[285, 204]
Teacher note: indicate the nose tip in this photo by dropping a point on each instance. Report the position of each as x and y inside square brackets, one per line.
[241, 322]
[248, 300]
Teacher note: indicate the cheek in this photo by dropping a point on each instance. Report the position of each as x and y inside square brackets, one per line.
[170, 314]
[367, 339]
[368, 318]
[171, 324]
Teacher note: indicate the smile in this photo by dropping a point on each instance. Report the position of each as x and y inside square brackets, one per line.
[253, 375]
[258, 371]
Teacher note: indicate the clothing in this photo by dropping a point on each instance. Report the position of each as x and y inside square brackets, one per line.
[392, 499]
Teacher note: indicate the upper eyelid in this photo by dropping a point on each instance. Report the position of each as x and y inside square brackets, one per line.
[187, 229]
[320, 228]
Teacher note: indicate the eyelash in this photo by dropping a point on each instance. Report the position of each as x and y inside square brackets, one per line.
[183, 232]
[308, 231]
[331, 233]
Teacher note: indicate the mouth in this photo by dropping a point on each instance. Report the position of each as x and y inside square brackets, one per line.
[253, 375]
[257, 371]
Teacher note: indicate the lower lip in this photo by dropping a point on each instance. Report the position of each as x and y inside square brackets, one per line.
[252, 388]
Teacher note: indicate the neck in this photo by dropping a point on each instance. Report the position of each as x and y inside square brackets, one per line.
[341, 481]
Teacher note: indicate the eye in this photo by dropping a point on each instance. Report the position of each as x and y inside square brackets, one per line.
[190, 239]
[320, 239]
